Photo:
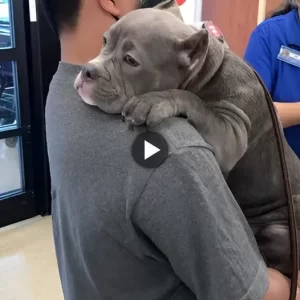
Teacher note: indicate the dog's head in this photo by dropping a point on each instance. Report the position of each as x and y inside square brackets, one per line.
[147, 50]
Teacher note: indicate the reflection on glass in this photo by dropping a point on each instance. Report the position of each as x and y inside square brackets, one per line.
[11, 171]
[5, 25]
[8, 99]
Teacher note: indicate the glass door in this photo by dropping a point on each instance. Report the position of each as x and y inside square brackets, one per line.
[16, 168]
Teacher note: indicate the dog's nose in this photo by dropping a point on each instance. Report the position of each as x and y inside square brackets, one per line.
[89, 72]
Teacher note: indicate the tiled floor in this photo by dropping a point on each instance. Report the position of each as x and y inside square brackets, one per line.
[28, 268]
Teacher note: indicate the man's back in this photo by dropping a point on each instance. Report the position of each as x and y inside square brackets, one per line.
[124, 232]
[89, 181]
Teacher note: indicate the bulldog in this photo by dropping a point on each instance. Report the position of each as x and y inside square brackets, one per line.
[153, 66]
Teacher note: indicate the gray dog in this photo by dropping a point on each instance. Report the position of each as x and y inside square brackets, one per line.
[153, 66]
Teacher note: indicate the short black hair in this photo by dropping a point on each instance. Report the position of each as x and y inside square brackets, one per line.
[285, 7]
[62, 14]
[151, 3]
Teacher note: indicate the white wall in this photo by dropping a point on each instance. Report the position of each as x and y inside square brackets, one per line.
[191, 11]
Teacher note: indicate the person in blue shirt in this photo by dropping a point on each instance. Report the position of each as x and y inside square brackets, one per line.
[274, 52]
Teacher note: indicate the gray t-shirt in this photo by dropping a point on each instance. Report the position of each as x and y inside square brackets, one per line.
[123, 232]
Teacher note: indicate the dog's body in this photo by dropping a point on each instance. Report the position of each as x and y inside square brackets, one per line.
[178, 71]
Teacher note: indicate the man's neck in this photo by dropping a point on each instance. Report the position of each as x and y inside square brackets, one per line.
[78, 49]
[84, 44]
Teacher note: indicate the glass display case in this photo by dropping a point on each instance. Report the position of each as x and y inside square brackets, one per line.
[16, 163]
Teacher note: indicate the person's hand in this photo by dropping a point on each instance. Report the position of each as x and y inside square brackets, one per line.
[298, 290]
[279, 286]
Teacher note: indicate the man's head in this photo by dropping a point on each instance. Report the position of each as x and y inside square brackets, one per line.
[147, 50]
[81, 23]
[65, 15]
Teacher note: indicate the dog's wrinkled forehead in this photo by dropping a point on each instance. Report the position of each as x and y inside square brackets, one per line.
[148, 24]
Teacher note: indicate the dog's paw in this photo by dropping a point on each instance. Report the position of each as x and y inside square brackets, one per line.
[161, 111]
[150, 109]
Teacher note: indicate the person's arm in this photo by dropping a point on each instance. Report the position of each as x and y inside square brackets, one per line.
[190, 215]
[279, 286]
[289, 113]
[258, 55]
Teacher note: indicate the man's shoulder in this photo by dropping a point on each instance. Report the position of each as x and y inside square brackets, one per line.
[180, 134]
[188, 154]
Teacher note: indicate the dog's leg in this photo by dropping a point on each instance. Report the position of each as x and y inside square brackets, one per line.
[224, 126]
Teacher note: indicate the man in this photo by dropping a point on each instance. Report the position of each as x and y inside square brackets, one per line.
[125, 232]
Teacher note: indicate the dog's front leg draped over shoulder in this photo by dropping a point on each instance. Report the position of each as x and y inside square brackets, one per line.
[222, 125]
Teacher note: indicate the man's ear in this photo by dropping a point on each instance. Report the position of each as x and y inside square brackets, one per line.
[110, 7]
[171, 6]
[194, 48]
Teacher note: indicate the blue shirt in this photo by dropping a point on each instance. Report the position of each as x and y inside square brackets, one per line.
[282, 79]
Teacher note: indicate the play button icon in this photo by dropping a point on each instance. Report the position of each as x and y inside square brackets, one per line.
[149, 150]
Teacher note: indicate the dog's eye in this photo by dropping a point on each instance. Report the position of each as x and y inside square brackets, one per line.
[131, 61]
[104, 41]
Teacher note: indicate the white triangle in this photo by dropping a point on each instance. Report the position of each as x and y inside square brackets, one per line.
[149, 150]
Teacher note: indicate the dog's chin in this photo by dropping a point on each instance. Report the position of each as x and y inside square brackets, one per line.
[111, 103]
[85, 91]
[113, 106]
[108, 105]
[88, 100]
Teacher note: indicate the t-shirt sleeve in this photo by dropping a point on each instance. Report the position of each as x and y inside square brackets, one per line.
[190, 215]
[258, 55]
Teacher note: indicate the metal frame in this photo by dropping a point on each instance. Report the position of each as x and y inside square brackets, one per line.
[198, 11]
[8, 54]
[45, 55]
[17, 207]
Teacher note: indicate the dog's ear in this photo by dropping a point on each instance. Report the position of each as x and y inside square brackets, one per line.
[171, 6]
[194, 48]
